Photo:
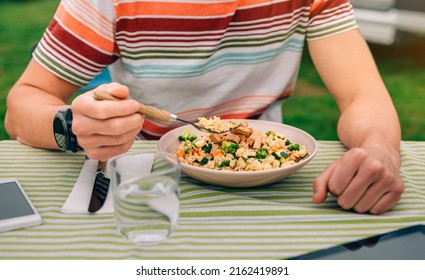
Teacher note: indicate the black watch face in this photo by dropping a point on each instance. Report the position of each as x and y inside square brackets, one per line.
[59, 131]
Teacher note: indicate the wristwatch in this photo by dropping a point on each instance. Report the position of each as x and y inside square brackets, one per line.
[62, 129]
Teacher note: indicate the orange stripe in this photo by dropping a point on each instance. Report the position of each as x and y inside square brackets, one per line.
[315, 4]
[83, 31]
[244, 3]
[182, 9]
[174, 9]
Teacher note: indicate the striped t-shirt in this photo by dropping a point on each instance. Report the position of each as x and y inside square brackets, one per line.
[227, 58]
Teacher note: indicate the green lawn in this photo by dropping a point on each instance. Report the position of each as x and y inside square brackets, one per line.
[311, 108]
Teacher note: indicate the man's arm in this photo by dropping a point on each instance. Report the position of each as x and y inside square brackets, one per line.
[367, 177]
[32, 104]
[103, 128]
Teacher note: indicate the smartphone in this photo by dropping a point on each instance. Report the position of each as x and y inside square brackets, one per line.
[16, 209]
[403, 244]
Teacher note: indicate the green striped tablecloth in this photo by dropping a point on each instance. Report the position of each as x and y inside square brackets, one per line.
[272, 222]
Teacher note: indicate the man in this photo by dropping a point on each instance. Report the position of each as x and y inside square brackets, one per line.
[233, 59]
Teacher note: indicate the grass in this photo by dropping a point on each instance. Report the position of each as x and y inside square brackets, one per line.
[21, 25]
[403, 70]
[311, 108]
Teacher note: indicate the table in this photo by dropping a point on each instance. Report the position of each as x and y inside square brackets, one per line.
[278, 221]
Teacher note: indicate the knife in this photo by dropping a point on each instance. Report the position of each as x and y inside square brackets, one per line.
[100, 188]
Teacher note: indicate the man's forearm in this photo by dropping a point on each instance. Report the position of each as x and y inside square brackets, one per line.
[30, 116]
[371, 125]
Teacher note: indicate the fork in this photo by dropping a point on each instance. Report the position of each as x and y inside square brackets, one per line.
[158, 114]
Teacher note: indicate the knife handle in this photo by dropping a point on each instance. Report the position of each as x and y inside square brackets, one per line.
[147, 110]
[101, 166]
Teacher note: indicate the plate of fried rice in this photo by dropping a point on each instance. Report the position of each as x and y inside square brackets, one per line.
[255, 153]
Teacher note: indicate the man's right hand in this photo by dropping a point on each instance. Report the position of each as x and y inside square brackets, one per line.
[106, 128]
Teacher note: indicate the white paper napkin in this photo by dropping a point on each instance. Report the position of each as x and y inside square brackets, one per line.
[79, 198]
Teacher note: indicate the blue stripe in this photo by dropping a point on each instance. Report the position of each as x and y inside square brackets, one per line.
[185, 71]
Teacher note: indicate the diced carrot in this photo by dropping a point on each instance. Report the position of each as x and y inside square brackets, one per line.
[276, 147]
[218, 153]
[180, 153]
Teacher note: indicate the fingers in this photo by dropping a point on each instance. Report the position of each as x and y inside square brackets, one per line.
[336, 177]
[389, 199]
[320, 185]
[360, 181]
[101, 147]
[116, 125]
[106, 128]
[104, 153]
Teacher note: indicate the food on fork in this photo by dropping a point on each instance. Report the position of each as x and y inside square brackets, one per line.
[242, 149]
[216, 124]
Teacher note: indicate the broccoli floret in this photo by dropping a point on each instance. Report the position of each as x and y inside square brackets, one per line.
[261, 153]
[229, 147]
[294, 147]
[187, 135]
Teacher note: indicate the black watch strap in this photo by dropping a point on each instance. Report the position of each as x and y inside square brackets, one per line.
[62, 129]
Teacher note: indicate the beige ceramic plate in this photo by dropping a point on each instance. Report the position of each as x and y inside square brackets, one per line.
[169, 142]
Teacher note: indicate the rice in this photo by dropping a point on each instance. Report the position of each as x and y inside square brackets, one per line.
[242, 149]
[216, 124]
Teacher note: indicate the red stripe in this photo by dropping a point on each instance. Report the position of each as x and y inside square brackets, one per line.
[207, 24]
[318, 7]
[261, 12]
[50, 46]
[78, 46]
[156, 38]
[334, 14]
[172, 24]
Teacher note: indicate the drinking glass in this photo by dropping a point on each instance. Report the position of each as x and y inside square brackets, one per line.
[146, 195]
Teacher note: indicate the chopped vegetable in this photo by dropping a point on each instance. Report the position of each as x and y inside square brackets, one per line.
[224, 163]
[242, 149]
[203, 161]
[229, 147]
[284, 155]
[261, 153]
[187, 135]
[294, 147]
[207, 148]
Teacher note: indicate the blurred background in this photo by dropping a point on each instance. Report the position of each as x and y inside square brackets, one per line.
[395, 30]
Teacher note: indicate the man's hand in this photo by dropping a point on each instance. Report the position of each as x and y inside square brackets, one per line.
[364, 179]
[106, 128]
